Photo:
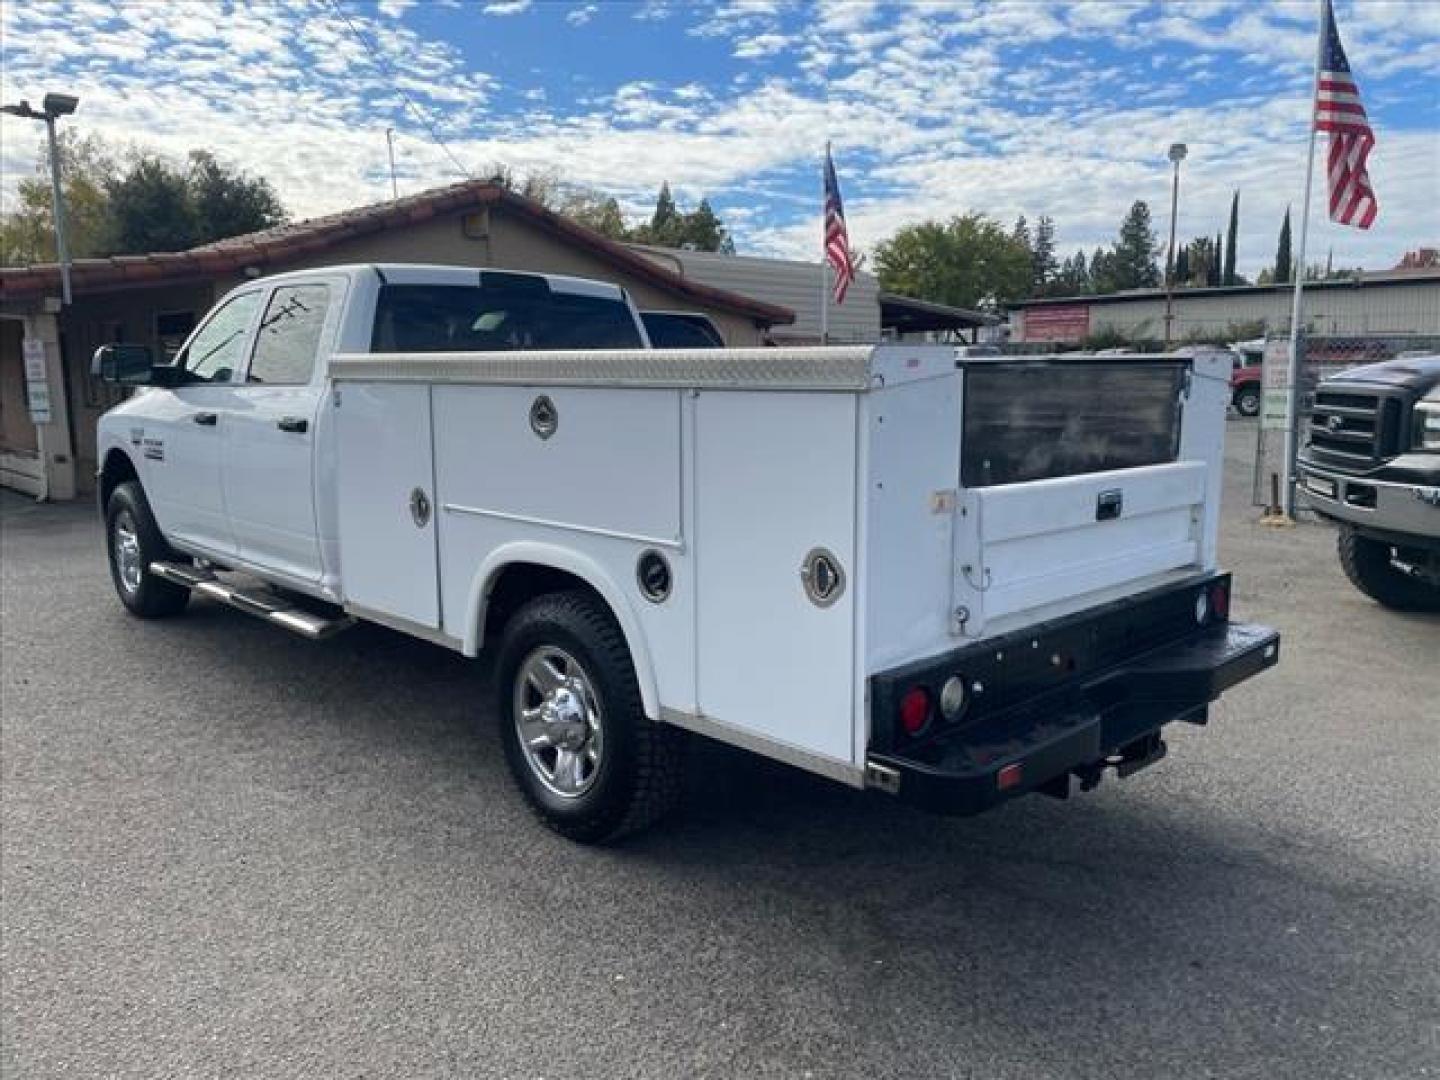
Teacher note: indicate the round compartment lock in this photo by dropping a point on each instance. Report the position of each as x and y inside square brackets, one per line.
[420, 508]
[823, 577]
[544, 417]
[652, 574]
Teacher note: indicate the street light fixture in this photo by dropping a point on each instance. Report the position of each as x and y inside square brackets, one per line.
[52, 107]
[1177, 154]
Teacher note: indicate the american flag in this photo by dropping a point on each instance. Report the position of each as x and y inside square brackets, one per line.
[1338, 111]
[837, 239]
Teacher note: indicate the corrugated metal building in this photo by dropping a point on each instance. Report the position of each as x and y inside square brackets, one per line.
[788, 283]
[1396, 302]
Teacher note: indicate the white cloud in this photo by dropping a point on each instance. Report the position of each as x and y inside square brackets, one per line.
[506, 7]
[581, 15]
[1035, 107]
[395, 9]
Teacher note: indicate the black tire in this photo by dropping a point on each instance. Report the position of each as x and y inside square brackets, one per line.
[147, 596]
[1367, 564]
[639, 768]
[1247, 400]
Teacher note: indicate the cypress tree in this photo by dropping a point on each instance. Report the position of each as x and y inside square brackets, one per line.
[1232, 238]
[1283, 260]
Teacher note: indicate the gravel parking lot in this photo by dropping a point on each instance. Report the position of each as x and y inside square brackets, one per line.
[228, 852]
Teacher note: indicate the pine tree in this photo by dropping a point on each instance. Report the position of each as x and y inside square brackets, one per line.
[1212, 275]
[1232, 239]
[665, 219]
[1021, 233]
[1133, 260]
[1283, 261]
[1043, 264]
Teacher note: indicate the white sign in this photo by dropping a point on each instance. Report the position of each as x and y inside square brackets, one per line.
[37, 385]
[1275, 377]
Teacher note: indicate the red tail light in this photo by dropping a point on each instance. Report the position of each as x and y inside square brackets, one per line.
[1220, 600]
[915, 710]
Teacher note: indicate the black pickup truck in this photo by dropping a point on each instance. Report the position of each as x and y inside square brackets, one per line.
[1371, 464]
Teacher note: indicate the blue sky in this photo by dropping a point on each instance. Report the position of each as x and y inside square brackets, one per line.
[1000, 106]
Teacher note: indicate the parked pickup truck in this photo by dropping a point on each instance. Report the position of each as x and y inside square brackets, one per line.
[1372, 466]
[952, 580]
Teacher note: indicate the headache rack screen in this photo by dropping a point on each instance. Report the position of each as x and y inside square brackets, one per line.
[1034, 420]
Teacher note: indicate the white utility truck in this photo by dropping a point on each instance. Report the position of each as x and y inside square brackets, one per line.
[953, 579]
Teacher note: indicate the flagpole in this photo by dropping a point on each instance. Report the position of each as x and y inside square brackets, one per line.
[824, 264]
[1292, 396]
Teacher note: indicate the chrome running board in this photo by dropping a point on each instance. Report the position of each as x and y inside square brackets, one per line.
[258, 602]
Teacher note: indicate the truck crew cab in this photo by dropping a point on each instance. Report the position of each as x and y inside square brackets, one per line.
[1372, 466]
[954, 580]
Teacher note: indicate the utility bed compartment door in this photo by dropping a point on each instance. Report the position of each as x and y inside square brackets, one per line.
[1047, 541]
[385, 488]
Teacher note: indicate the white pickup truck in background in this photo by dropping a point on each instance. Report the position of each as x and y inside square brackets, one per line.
[954, 579]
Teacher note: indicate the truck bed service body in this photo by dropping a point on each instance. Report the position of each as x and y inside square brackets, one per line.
[952, 579]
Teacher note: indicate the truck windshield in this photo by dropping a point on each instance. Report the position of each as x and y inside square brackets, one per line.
[514, 315]
[1041, 419]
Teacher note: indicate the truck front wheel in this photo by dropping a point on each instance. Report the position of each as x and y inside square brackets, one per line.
[1370, 566]
[590, 763]
[133, 542]
[1247, 400]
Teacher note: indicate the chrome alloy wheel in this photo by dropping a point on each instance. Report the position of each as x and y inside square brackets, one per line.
[125, 546]
[558, 722]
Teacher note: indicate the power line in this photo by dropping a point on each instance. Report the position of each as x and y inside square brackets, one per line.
[381, 62]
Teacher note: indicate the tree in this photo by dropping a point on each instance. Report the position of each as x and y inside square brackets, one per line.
[226, 202]
[664, 226]
[1020, 232]
[1074, 277]
[1214, 271]
[963, 262]
[1133, 259]
[151, 209]
[1232, 240]
[1043, 264]
[596, 211]
[1284, 264]
[1182, 268]
[27, 233]
[1102, 271]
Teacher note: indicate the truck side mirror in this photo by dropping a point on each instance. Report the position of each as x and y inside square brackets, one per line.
[127, 365]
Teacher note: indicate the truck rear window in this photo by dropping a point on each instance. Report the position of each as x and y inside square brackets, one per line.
[503, 312]
[1033, 420]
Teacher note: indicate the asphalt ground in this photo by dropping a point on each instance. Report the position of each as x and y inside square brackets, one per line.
[227, 852]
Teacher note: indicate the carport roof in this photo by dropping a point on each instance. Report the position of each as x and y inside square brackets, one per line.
[305, 238]
[909, 315]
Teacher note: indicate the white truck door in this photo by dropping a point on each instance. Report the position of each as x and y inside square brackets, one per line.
[269, 438]
[181, 438]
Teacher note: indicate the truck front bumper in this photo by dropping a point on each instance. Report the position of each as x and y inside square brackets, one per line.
[1110, 716]
[1402, 513]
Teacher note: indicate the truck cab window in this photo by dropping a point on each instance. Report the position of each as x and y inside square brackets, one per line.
[218, 349]
[480, 318]
[289, 335]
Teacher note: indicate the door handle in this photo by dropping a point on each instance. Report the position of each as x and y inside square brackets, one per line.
[293, 423]
[207, 419]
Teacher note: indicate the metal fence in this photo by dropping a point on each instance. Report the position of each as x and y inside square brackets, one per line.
[1320, 358]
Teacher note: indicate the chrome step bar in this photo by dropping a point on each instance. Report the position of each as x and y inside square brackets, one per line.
[257, 602]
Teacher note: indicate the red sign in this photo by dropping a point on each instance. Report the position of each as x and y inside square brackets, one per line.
[1057, 322]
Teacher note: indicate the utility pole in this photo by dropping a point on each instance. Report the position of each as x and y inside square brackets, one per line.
[1177, 155]
[390, 143]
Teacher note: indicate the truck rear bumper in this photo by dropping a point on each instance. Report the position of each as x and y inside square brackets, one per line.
[1110, 719]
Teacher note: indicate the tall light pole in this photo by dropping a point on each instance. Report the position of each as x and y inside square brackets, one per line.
[51, 109]
[390, 143]
[1177, 155]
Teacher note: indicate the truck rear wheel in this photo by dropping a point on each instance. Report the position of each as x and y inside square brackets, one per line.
[1247, 400]
[1369, 566]
[133, 542]
[590, 763]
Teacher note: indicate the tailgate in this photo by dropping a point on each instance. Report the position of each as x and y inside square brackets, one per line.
[1050, 540]
[1070, 471]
